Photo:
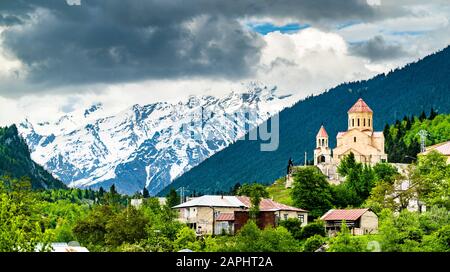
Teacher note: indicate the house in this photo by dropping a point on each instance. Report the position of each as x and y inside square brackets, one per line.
[226, 214]
[64, 247]
[443, 148]
[359, 221]
[360, 139]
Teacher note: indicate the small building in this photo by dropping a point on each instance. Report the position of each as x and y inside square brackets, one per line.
[226, 214]
[64, 247]
[136, 202]
[443, 148]
[359, 221]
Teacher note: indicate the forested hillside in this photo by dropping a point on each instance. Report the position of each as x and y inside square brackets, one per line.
[402, 138]
[15, 161]
[407, 91]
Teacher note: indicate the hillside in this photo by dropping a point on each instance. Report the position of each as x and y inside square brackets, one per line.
[279, 192]
[402, 138]
[410, 90]
[15, 161]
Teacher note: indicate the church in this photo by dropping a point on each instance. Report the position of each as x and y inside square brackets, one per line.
[360, 139]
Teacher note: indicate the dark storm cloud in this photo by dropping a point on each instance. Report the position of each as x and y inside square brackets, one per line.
[377, 49]
[118, 41]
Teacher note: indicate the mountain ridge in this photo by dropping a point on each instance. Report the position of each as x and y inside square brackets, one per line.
[16, 162]
[145, 145]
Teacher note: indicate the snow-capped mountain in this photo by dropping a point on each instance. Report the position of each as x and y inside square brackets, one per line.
[146, 145]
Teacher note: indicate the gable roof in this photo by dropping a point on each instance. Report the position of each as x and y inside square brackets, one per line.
[360, 106]
[267, 204]
[350, 214]
[322, 133]
[236, 202]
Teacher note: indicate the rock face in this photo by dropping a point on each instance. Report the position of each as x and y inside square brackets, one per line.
[146, 145]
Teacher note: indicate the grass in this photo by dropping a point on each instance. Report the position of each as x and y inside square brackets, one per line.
[279, 193]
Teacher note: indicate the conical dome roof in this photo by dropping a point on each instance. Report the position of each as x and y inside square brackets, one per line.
[322, 133]
[360, 106]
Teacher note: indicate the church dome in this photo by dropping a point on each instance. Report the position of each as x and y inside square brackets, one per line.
[360, 106]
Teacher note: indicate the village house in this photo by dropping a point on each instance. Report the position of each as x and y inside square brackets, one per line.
[443, 148]
[226, 214]
[359, 221]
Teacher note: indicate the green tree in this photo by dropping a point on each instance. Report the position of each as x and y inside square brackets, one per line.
[145, 193]
[313, 243]
[91, 230]
[344, 242]
[256, 192]
[253, 189]
[128, 226]
[172, 198]
[315, 228]
[186, 239]
[311, 191]
[431, 179]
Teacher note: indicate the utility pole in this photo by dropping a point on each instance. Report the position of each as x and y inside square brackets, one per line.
[423, 137]
[182, 190]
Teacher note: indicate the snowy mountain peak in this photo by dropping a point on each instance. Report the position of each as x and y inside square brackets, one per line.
[92, 109]
[145, 145]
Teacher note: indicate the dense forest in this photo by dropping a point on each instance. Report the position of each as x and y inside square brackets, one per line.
[15, 161]
[402, 140]
[408, 91]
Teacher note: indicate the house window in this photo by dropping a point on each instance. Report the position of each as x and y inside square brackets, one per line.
[301, 217]
[354, 139]
[285, 216]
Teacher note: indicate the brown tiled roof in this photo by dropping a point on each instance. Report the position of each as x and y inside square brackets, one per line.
[322, 133]
[269, 205]
[352, 214]
[360, 106]
[225, 217]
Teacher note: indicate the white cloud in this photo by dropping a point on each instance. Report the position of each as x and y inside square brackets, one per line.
[302, 63]
[309, 61]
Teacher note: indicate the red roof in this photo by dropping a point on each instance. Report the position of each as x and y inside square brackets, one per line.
[360, 106]
[351, 215]
[322, 133]
[269, 205]
[225, 217]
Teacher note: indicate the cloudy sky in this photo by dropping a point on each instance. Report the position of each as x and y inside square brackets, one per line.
[60, 55]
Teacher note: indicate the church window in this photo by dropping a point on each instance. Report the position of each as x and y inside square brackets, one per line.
[353, 122]
[358, 122]
[323, 142]
[369, 122]
[364, 122]
[354, 139]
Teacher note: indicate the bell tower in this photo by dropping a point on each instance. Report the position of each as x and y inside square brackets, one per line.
[322, 153]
